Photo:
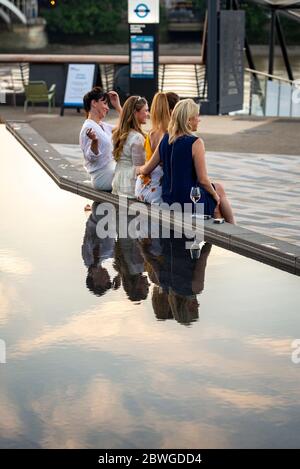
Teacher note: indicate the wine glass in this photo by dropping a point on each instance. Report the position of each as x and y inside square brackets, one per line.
[195, 197]
[195, 249]
[195, 253]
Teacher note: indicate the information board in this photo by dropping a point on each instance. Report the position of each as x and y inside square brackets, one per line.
[80, 80]
[142, 57]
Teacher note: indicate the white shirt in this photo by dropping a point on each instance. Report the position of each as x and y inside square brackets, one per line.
[104, 157]
[91, 240]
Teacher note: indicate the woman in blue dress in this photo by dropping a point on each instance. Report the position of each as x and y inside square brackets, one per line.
[183, 159]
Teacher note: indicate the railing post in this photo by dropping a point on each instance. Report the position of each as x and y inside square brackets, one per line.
[284, 49]
[213, 8]
[197, 80]
[272, 42]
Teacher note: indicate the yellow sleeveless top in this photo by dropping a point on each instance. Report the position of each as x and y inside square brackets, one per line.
[148, 149]
[148, 155]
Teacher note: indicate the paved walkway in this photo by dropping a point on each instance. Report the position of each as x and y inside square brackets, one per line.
[264, 189]
[220, 133]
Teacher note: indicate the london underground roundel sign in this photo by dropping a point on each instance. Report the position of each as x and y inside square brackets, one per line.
[143, 11]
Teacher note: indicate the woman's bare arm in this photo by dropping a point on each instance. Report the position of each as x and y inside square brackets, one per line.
[198, 152]
[91, 134]
[148, 167]
[155, 138]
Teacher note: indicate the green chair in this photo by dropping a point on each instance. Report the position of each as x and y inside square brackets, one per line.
[37, 92]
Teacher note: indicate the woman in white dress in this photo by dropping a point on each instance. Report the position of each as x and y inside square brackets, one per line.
[128, 142]
[96, 137]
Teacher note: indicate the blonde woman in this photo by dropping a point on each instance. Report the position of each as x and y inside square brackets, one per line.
[177, 278]
[148, 188]
[128, 141]
[183, 158]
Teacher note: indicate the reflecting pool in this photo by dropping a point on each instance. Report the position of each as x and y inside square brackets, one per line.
[135, 343]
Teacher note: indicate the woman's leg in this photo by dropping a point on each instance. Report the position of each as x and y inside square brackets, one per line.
[224, 208]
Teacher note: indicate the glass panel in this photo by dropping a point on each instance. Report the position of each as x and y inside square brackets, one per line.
[285, 98]
[272, 98]
[296, 101]
[257, 96]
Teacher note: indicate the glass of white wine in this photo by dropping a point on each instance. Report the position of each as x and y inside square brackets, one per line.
[195, 197]
[195, 249]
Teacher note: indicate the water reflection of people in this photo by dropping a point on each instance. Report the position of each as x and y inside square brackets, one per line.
[129, 263]
[177, 277]
[94, 252]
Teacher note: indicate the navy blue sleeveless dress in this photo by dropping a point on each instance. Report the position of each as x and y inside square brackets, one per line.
[180, 174]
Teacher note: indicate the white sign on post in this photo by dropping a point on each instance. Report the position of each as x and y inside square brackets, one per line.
[143, 11]
[80, 80]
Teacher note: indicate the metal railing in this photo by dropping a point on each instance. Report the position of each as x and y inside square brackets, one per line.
[185, 75]
[189, 81]
[273, 96]
[13, 78]
[267, 95]
[93, 58]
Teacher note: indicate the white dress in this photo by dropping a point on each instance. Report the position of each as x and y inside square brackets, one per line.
[150, 191]
[133, 154]
[101, 167]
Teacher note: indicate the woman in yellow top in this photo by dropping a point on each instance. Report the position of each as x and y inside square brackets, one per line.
[148, 188]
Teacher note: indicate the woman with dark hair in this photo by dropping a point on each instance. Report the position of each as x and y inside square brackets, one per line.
[95, 251]
[96, 137]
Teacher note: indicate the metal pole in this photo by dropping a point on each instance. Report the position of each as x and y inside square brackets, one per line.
[213, 79]
[284, 49]
[272, 42]
[236, 6]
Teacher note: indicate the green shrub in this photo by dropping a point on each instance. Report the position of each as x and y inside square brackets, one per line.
[85, 17]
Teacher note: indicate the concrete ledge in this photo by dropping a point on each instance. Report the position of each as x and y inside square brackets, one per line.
[268, 250]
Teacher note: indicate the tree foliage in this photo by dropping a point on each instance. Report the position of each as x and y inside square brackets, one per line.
[106, 20]
[84, 17]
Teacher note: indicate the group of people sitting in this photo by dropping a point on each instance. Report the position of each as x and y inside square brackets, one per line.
[160, 166]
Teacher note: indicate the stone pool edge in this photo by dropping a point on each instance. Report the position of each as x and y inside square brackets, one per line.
[266, 249]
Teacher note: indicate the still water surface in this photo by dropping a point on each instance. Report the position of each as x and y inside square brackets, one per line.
[169, 352]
